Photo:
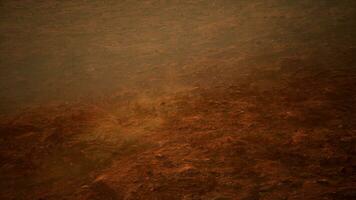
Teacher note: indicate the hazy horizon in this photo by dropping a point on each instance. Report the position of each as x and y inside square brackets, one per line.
[68, 50]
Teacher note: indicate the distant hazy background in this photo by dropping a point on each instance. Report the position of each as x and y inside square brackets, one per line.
[68, 50]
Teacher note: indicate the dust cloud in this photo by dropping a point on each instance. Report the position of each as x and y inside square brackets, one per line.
[78, 50]
[181, 100]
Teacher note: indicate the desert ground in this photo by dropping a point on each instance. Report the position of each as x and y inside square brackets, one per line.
[178, 100]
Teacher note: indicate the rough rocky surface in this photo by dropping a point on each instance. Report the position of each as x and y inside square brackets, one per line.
[258, 103]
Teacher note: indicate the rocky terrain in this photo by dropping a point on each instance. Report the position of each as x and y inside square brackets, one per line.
[252, 100]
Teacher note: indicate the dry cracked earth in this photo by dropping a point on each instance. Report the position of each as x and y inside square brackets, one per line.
[178, 100]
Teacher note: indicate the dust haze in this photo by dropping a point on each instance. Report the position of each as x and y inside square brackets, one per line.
[194, 99]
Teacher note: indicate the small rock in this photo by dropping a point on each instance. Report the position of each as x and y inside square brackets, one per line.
[188, 170]
[323, 181]
[159, 156]
[85, 187]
